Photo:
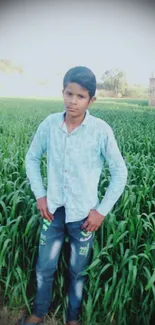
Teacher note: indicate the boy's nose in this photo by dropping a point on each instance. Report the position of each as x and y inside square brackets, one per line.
[73, 100]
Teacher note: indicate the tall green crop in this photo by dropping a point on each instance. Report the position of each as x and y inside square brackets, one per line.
[121, 278]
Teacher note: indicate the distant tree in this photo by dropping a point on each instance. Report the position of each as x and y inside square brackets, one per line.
[114, 80]
[100, 85]
[6, 66]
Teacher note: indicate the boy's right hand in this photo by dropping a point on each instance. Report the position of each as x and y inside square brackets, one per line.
[42, 207]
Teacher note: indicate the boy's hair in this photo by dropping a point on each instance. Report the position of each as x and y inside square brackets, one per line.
[82, 76]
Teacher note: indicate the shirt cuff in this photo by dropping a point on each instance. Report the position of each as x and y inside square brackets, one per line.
[40, 194]
[104, 208]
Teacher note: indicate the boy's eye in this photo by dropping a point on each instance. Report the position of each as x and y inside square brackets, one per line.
[68, 93]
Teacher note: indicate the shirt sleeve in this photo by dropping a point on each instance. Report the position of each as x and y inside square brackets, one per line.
[118, 172]
[32, 160]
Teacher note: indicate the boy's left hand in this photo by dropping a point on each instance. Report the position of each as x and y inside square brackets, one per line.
[93, 221]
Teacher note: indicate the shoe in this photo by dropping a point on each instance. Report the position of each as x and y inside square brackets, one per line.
[22, 322]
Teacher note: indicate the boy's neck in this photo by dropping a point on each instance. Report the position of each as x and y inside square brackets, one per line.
[70, 121]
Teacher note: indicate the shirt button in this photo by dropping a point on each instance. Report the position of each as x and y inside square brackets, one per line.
[65, 187]
[65, 170]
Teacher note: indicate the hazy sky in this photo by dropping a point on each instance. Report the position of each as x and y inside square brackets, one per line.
[48, 37]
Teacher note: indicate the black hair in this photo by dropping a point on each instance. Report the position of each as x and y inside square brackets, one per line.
[82, 76]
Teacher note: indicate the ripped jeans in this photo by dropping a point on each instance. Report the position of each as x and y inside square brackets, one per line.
[51, 240]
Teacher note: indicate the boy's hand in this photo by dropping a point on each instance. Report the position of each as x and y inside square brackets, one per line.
[93, 221]
[42, 207]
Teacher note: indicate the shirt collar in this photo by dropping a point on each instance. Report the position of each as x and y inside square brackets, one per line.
[84, 122]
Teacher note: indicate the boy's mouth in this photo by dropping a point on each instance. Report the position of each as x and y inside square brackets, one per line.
[71, 109]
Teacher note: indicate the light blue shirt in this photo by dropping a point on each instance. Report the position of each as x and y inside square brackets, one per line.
[74, 164]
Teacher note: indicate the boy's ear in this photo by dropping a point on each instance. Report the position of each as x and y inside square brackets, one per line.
[92, 100]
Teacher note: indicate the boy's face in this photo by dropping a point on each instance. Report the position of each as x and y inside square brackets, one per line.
[76, 99]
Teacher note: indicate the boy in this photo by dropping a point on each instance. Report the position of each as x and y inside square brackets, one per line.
[76, 144]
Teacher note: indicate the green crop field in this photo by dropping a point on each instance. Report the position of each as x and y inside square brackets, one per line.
[121, 278]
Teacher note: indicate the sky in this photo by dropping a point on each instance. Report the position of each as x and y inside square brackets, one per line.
[47, 38]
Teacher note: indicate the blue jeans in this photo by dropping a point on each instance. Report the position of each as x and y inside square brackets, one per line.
[51, 239]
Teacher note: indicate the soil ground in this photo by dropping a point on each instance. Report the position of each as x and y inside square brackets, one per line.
[11, 316]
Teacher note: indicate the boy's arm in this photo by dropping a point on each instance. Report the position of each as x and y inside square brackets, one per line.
[36, 150]
[118, 172]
